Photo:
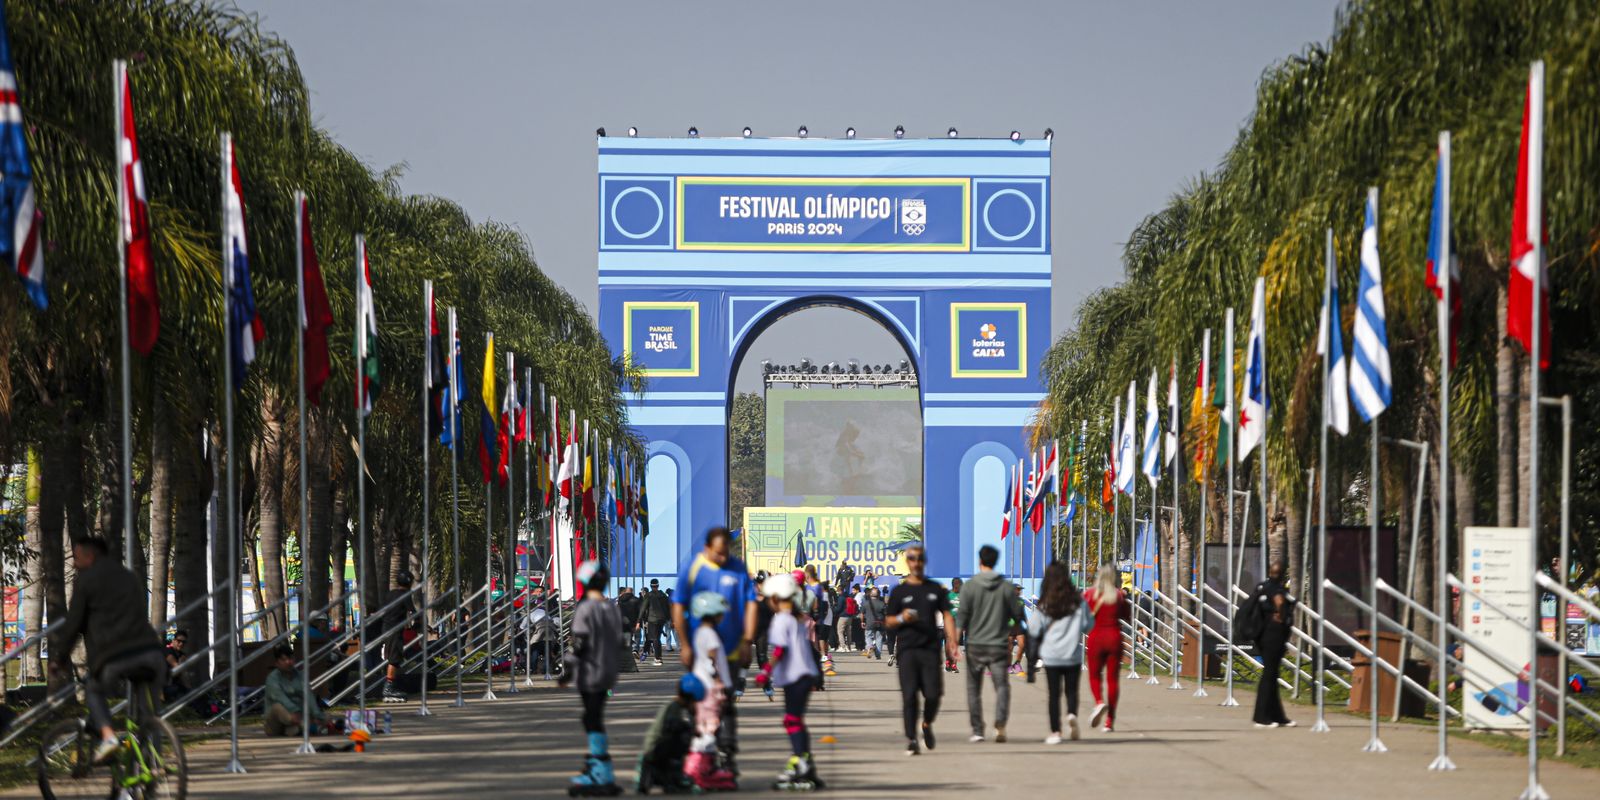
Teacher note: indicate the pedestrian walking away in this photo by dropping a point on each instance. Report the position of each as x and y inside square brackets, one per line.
[715, 571]
[597, 644]
[1109, 606]
[990, 611]
[1276, 607]
[872, 611]
[656, 612]
[792, 669]
[913, 607]
[1056, 634]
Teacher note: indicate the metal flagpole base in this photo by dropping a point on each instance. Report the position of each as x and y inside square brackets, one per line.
[1320, 726]
[1200, 691]
[1375, 745]
[1176, 685]
[1229, 701]
[305, 749]
[234, 766]
[489, 695]
[528, 681]
[1442, 764]
[1133, 674]
[422, 711]
[1534, 792]
[512, 689]
[1154, 681]
[459, 703]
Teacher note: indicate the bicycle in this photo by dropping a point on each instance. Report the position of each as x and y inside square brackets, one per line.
[150, 763]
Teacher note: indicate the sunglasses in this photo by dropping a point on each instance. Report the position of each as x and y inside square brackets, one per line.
[917, 559]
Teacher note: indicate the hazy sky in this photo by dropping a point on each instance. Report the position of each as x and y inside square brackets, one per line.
[494, 103]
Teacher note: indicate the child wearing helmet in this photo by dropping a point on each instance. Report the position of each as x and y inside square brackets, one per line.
[592, 663]
[711, 668]
[793, 669]
[661, 760]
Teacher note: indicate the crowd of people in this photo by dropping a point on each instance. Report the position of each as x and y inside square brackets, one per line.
[786, 628]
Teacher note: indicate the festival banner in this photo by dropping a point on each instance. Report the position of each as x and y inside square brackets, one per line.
[865, 538]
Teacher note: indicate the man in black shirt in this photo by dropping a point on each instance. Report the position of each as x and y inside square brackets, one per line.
[913, 611]
[1277, 610]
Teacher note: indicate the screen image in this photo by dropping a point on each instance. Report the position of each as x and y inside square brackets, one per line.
[854, 446]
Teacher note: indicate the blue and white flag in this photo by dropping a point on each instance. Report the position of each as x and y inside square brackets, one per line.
[245, 330]
[1126, 467]
[19, 215]
[1254, 403]
[1330, 340]
[1369, 374]
[1152, 434]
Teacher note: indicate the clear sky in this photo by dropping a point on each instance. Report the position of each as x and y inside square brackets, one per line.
[494, 103]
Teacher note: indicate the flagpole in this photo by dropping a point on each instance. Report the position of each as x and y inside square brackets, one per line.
[119, 70]
[1333, 329]
[1116, 467]
[1535, 167]
[1374, 481]
[1205, 506]
[361, 467]
[509, 557]
[530, 452]
[234, 765]
[1232, 422]
[453, 392]
[1177, 462]
[427, 485]
[1442, 762]
[300, 369]
[488, 559]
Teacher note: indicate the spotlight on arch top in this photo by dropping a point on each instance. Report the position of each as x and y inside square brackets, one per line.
[747, 131]
[632, 131]
[694, 133]
[803, 131]
[953, 134]
[1016, 136]
[899, 131]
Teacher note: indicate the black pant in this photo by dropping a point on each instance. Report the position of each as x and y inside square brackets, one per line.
[795, 696]
[1054, 677]
[1269, 704]
[921, 672]
[653, 637]
[146, 666]
[728, 731]
[594, 712]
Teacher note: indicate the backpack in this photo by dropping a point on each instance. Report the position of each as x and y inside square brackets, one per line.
[1248, 620]
[850, 607]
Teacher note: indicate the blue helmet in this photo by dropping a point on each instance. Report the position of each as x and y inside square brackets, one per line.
[690, 685]
[707, 604]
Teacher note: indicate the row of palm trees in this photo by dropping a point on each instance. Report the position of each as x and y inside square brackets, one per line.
[1364, 109]
[199, 69]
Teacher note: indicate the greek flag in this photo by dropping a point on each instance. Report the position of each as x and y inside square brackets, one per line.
[1369, 372]
[1335, 385]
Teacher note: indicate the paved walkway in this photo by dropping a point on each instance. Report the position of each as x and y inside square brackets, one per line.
[1168, 744]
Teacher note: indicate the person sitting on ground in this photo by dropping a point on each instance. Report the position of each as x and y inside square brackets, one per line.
[666, 744]
[108, 611]
[177, 682]
[285, 703]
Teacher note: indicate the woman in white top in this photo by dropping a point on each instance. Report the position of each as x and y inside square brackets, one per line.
[1057, 630]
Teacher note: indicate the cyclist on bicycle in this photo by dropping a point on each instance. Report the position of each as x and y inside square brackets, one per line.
[108, 611]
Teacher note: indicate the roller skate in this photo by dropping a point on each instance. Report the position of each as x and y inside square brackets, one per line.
[392, 694]
[670, 778]
[702, 769]
[799, 776]
[596, 780]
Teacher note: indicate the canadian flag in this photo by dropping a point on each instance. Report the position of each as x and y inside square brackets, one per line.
[1525, 254]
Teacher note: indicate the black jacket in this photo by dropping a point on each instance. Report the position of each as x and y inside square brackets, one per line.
[108, 610]
[629, 604]
[657, 608]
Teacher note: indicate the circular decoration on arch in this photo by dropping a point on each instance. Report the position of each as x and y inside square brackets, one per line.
[988, 207]
[616, 202]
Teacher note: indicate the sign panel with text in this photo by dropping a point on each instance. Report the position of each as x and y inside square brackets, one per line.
[865, 538]
[1496, 567]
[663, 337]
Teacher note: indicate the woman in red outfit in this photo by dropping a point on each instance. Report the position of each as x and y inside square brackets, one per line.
[1110, 607]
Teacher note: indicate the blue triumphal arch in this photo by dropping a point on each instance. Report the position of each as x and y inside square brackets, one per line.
[946, 242]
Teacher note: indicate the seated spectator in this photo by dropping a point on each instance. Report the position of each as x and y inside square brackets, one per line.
[284, 701]
[177, 681]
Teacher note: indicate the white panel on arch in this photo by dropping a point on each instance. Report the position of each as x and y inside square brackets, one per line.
[988, 486]
[661, 487]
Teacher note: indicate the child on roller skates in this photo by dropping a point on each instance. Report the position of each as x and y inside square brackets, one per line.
[597, 642]
[711, 667]
[792, 668]
[661, 760]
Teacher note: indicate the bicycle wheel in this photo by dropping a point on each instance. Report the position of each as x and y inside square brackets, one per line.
[65, 766]
[163, 753]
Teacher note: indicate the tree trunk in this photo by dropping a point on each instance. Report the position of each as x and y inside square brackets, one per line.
[191, 573]
[269, 496]
[33, 594]
[160, 510]
[1526, 407]
[61, 510]
[318, 541]
[1294, 516]
[340, 542]
[1505, 390]
[223, 568]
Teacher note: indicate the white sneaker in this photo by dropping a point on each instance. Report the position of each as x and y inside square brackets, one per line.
[1289, 724]
[1098, 715]
[1072, 726]
[1266, 724]
[1054, 738]
[975, 738]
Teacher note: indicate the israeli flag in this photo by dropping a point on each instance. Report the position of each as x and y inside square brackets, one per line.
[1369, 374]
[1152, 434]
[1125, 456]
[1330, 340]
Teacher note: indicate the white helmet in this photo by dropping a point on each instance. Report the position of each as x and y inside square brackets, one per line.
[780, 585]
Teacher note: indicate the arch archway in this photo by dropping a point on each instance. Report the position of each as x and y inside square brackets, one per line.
[705, 243]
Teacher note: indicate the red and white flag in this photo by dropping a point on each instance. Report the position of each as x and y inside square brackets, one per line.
[144, 307]
[1526, 255]
[569, 478]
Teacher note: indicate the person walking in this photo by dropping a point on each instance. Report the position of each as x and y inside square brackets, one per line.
[1057, 635]
[989, 610]
[913, 609]
[872, 611]
[656, 611]
[847, 611]
[955, 609]
[714, 570]
[597, 643]
[1109, 606]
[1277, 609]
[630, 606]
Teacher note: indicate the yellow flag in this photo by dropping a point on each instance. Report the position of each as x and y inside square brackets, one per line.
[488, 374]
